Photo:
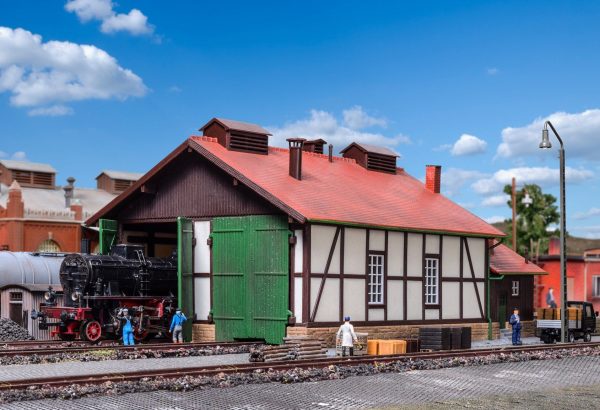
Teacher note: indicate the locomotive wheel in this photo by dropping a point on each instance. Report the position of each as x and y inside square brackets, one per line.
[141, 336]
[587, 337]
[91, 331]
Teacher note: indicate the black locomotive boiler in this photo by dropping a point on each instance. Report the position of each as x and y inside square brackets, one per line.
[97, 287]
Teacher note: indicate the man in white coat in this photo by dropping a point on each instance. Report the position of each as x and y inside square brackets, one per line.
[347, 335]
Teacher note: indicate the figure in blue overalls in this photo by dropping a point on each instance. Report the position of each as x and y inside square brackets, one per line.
[177, 326]
[515, 321]
[127, 327]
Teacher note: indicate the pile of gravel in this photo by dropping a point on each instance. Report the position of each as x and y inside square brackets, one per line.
[12, 332]
[296, 375]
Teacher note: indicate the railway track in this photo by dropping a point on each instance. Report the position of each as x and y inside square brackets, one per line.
[55, 348]
[275, 366]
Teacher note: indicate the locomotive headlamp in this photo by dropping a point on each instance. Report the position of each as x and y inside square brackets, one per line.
[75, 296]
[50, 296]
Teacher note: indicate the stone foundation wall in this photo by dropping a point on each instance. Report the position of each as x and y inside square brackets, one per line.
[528, 329]
[203, 333]
[479, 331]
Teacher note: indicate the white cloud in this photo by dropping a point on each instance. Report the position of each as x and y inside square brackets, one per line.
[356, 118]
[175, 89]
[322, 124]
[134, 22]
[588, 214]
[19, 156]
[589, 232]
[468, 145]
[495, 200]
[579, 132]
[52, 111]
[39, 74]
[492, 71]
[543, 176]
[453, 179]
[494, 219]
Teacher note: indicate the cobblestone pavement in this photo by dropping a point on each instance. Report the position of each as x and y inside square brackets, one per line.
[416, 388]
[29, 371]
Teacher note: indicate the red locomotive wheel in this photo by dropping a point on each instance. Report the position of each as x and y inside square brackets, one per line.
[92, 331]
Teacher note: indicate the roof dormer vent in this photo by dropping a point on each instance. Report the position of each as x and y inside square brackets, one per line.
[372, 157]
[315, 146]
[238, 136]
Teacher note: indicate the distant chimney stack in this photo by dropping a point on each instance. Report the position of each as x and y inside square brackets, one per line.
[330, 152]
[433, 177]
[69, 191]
[296, 145]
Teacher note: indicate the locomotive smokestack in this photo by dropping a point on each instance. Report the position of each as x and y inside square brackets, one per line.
[69, 191]
[296, 145]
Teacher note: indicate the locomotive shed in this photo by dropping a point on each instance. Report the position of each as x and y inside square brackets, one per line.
[274, 242]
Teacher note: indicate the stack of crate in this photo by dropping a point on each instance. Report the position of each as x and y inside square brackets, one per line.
[444, 338]
[554, 313]
[382, 347]
[295, 348]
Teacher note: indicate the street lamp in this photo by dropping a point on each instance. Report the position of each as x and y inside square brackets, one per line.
[546, 144]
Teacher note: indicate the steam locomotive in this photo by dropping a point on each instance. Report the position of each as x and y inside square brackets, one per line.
[97, 287]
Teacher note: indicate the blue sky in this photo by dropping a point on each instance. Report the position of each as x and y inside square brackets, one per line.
[87, 85]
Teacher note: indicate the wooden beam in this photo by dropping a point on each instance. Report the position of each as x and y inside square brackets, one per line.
[473, 276]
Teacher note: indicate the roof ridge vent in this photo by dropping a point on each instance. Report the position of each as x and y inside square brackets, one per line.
[372, 157]
[238, 136]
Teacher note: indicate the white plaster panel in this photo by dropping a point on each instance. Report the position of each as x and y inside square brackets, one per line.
[376, 314]
[415, 254]
[355, 242]
[470, 305]
[450, 299]
[395, 254]
[321, 239]
[432, 314]
[315, 283]
[395, 302]
[451, 257]
[477, 251]
[298, 299]
[376, 240]
[354, 299]
[329, 305]
[201, 250]
[298, 251]
[201, 298]
[414, 295]
[432, 244]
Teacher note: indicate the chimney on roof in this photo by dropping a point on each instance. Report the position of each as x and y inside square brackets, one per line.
[433, 177]
[69, 191]
[330, 152]
[315, 146]
[296, 145]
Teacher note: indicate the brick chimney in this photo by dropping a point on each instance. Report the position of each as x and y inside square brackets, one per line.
[78, 209]
[433, 178]
[15, 208]
[554, 246]
[296, 145]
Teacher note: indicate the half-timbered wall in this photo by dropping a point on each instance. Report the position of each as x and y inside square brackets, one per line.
[338, 276]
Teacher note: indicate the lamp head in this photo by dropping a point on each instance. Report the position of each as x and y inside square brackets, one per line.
[527, 200]
[545, 144]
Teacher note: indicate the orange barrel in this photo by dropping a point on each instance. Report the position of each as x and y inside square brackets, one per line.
[373, 347]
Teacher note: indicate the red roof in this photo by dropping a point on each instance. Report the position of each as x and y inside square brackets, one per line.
[343, 191]
[505, 261]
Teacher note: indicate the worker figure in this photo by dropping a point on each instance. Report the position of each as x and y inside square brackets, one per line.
[127, 327]
[177, 326]
[550, 299]
[515, 321]
[347, 335]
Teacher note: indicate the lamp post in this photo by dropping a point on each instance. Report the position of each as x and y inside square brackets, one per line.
[545, 144]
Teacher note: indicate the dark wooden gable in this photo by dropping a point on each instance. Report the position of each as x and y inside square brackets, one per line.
[193, 187]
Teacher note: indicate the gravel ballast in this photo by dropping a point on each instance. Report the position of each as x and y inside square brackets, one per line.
[289, 376]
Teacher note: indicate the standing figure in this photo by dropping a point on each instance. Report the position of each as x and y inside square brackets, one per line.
[550, 299]
[346, 333]
[127, 327]
[177, 326]
[515, 321]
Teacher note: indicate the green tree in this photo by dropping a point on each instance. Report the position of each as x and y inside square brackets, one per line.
[532, 220]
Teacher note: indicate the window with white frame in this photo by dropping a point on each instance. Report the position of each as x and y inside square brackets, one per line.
[376, 266]
[432, 281]
[515, 288]
[596, 285]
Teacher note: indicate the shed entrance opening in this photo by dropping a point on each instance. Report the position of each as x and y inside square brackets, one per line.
[250, 258]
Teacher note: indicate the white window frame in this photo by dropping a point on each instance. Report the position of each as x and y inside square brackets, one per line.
[596, 286]
[432, 281]
[376, 278]
[515, 288]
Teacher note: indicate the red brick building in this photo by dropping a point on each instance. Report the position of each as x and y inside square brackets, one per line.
[37, 215]
[583, 276]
